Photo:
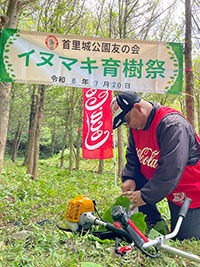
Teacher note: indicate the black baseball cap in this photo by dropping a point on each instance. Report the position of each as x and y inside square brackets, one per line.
[121, 105]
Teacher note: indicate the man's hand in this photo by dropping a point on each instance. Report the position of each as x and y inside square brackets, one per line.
[135, 197]
[128, 185]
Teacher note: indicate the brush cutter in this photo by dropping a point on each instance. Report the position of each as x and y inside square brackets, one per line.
[80, 218]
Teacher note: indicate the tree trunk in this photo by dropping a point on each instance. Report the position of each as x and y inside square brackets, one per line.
[198, 114]
[78, 148]
[4, 117]
[53, 139]
[79, 139]
[63, 145]
[71, 130]
[9, 21]
[30, 154]
[65, 136]
[30, 131]
[188, 65]
[101, 166]
[197, 97]
[37, 132]
[15, 143]
[182, 104]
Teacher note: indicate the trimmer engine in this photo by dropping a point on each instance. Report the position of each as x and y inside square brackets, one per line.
[77, 208]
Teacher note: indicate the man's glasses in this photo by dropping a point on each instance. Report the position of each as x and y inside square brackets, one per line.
[126, 121]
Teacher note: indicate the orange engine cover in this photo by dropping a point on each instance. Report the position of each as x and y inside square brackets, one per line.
[78, 205]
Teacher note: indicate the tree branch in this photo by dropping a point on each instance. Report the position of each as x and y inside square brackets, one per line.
[195, 22]
[196, 76]
[25, 3]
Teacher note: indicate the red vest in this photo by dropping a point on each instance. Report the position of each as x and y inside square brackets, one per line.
[148, 153]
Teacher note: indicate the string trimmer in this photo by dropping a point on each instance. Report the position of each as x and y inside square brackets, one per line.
[80, 218]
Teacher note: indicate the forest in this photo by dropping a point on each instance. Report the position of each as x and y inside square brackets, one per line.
[41, 164]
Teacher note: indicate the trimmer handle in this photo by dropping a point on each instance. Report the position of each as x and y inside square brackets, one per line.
[184, 208]
[119, 214]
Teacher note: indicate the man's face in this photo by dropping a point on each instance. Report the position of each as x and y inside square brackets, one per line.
[134, 118]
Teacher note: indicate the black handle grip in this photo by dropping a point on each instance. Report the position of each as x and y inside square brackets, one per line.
[184, 208]
[135, 237]
[120, 232]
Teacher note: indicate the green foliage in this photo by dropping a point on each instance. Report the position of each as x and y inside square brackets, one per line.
[137, 218]
[24, 203]
[159, 228]
[90, 264]
[120, 201]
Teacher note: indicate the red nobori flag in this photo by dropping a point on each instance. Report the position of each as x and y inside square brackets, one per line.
[97, 124]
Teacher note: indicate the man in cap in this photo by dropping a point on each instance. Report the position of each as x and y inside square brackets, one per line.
[163, 160]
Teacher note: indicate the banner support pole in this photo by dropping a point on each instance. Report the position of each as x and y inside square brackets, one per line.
[115, 164]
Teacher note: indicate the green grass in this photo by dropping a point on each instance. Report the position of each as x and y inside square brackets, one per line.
[24, 202]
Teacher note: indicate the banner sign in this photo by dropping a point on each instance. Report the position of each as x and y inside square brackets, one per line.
[89, 62]
[97, 124]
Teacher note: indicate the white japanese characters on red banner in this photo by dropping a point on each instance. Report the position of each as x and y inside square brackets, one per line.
[97, 124]
[87, 62]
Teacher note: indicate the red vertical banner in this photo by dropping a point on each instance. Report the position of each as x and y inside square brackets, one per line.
[97, 124]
